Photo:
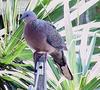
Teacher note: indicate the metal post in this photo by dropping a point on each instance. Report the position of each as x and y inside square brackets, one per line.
[40, 75]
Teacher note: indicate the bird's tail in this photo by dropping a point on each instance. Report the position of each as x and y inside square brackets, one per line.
[60, 61]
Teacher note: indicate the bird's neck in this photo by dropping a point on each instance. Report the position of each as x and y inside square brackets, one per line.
[30, 21]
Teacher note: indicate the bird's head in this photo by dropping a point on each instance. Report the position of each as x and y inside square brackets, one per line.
[27, 16]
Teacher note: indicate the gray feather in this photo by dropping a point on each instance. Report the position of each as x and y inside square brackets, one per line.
[53, 37]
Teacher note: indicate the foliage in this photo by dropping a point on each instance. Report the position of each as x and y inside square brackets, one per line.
[16, 67]
[14, 73]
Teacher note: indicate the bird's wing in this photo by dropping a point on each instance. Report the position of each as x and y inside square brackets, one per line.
[53, 37]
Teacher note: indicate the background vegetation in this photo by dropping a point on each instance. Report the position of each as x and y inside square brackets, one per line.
[78, 23]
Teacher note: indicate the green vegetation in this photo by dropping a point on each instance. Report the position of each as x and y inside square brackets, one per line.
[16, 63]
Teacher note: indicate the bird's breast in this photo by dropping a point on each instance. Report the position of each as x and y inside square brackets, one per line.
[34, 38]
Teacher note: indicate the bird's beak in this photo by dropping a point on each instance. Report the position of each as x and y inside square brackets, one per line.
[22, 17]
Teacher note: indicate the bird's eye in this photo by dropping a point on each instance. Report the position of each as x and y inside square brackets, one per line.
[26, 15]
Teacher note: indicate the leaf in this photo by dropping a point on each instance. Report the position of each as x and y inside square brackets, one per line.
[95, 72]
[70, 43]
[18, 74]
[83, 48]
[82, 82]
[82, 8]
[32, 4]
[9, 58]
[90, 51]
[65, 85]
[14, 39]
[52, 84]
[15, 80]
[92, 84]
[26, 55]
[54, 69]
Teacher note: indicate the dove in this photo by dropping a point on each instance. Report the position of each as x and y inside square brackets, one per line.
[42, 36]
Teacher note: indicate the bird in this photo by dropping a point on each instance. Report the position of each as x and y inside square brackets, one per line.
[42, 35]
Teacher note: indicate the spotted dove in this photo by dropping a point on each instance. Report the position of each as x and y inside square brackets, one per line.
[42, 36]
